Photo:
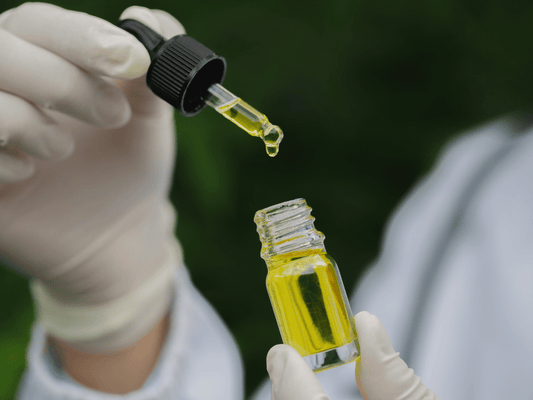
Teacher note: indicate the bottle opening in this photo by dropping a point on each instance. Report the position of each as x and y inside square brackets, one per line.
[287, 227]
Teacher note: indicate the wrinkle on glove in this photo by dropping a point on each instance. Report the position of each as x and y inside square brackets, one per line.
[380, 373]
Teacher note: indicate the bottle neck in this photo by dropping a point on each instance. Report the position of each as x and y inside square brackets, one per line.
[287, 230]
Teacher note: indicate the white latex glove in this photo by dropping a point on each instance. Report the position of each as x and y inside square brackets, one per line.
[380, 372]
[86, 157]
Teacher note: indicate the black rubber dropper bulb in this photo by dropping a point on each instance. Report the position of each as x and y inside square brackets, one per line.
[182, 69]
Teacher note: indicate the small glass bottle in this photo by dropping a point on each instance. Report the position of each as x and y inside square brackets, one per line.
[305, 287]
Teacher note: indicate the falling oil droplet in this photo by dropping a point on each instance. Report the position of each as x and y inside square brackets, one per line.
[272, 137]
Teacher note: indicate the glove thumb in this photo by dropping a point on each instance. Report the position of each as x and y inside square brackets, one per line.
[292, 378]
[380, 372]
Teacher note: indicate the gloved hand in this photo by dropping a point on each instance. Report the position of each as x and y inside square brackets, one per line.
[380, 372]
[86, 157]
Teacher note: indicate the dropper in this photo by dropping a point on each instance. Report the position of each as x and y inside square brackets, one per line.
[188, 75]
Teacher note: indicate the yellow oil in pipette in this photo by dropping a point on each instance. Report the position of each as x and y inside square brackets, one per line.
[246, 117]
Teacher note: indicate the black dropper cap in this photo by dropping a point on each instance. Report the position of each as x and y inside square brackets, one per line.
[182, 69]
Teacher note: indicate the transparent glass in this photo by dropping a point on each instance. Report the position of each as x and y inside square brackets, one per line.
[246, 117]
[305, 287]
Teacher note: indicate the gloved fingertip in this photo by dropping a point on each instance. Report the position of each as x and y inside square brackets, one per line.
[58, 143]
[372, 335]
[367, 321]
[16, 166]
[380, 372]
[291, 376]
[276, 360]
[5, 15]
[170, 26]
[111, 108]
[365, 315]
[161, 22]
[144, 15]
[115, 53]
[130, 63]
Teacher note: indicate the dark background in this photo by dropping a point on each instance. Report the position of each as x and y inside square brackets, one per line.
[366, 93]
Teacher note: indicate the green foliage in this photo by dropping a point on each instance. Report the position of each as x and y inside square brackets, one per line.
[366, 93]
[16, 316]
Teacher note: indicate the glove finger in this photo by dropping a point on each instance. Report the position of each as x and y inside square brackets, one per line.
[291, 376]
[51, 82]
[160, 21]
[170, 26]
[91, 43]
[5, 15]
[26, 128]
[142, 99]
[380, 372]
[14, 166]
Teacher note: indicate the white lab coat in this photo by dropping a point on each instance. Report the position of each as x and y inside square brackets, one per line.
[453, 286]
[199, 360]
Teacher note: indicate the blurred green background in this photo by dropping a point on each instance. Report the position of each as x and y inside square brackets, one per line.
[366, 93]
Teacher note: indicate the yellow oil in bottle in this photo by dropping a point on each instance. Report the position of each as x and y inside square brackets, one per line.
[305, 287]
[253, 122]
[311, 309]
